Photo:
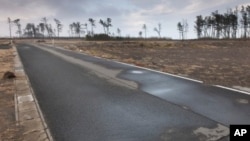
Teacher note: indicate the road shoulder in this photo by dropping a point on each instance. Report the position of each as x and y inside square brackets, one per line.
[28, 113]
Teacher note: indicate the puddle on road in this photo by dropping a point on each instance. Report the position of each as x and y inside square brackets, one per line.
[136, 72]
[242, 101]
[158, 91]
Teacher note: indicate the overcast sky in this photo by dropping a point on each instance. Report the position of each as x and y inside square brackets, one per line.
[128, 15]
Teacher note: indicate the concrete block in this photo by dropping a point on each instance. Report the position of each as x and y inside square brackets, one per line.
[32, 126]
[27, 106]
[26, 98]
[28, 115]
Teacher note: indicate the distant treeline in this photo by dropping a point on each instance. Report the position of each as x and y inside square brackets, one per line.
[232, 24]
[96, 37]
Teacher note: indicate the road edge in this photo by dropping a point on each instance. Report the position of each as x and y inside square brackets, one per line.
[27, 110]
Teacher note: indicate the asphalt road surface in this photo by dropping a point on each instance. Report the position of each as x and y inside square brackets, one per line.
[84, 98]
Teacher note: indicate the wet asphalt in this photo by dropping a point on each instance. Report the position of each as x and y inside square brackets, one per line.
[80, 105]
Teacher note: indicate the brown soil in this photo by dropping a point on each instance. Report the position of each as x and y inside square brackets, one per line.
[9, 131]
[224, 62]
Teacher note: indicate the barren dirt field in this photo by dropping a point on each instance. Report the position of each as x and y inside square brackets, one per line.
[217, 62]
[8, 129]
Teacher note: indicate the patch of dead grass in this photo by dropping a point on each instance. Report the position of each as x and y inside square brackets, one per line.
[223, 62]
[9, 131]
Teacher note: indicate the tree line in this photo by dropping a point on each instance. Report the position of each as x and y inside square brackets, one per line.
[232, 24]
[31, 30]
[76, 29]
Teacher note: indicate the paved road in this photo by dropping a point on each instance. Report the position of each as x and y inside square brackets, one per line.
[92, 99]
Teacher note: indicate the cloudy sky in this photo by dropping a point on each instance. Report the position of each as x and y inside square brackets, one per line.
[128, 15]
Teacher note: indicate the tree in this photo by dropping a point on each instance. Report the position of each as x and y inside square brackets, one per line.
[44, 20]
[38, 29]
[50, 30]
[183, 29]
[19, 30]
[199, 26]
[234, 22]
[244, 21]
[48, 27]
[77, 28]
[144, 27]
[158, 30]
[42, 28]
[104, 25]
[92, 23]
[34, 31]
[58, 26]
[119, 32]
[185, 25]
[108, 24]
[248, 19]
[30, 30]
[86, 28]
[140, 34]
[71, 29]
[9, 21]
[217, 25]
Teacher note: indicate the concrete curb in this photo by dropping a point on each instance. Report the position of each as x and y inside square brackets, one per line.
[27, 111]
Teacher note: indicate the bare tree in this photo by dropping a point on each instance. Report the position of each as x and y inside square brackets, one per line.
[144, 27]
[71, 29]
[47, 26]
[30, 30]
[108, 24]
[158, 30]
[119, 32]
[140, 34]
[42, 28]
[199, 26]
[183, 29]
[44, 20]
[77, 28]
[86, 28]
[185, 25]
[248, 19]
[19, 30]
[58, 26]
[104, 25]
[50, 30]
[92, 23]
[9, 21]
[244, 21]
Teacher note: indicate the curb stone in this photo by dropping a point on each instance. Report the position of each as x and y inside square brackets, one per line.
[27, 110]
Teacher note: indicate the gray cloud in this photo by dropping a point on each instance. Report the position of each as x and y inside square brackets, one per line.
[148, 4]
[104, 10]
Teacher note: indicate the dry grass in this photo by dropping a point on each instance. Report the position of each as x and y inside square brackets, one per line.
[8, 129]
[223, 62]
